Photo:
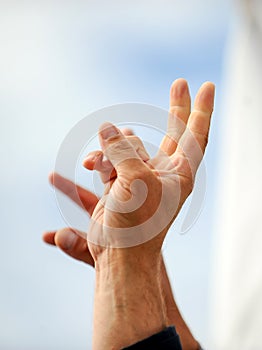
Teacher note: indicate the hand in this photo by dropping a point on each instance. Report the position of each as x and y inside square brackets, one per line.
[129, 224]
[198, 122]
[148, 195]
[70, 240]
[179, 106]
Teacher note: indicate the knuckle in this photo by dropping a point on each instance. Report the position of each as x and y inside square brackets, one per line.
[114, 138]
[178, 111]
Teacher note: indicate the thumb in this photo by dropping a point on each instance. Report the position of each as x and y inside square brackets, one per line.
[119, 151]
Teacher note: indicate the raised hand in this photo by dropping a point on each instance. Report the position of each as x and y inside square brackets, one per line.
[164, 182]
[144, 197]
[179, 119]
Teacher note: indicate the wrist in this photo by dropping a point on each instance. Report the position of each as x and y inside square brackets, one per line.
[128, 295]
[133, 258]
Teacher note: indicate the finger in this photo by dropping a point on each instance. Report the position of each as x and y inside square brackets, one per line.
[119, 150]
[71, 242]
[94, 160]
[78, 194]
[49, 237]
[193, 142]
[199, 120]
[180, 104]
[127, 132]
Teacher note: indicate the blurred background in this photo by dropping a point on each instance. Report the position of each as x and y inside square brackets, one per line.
[59, 61]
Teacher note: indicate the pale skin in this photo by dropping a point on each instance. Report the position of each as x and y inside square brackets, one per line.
[131, 282]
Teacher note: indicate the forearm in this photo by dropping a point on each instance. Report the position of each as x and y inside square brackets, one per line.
[174, 317]
[128, 301]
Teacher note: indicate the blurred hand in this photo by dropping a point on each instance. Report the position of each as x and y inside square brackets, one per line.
[70, 240]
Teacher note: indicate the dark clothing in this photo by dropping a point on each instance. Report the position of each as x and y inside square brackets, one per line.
[168, 339]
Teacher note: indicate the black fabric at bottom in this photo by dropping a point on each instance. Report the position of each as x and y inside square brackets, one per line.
[168, 339]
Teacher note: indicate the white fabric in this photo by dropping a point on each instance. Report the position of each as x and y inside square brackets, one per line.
[236, 320]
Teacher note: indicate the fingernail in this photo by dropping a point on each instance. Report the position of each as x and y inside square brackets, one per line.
[108, 131]
[69, 240]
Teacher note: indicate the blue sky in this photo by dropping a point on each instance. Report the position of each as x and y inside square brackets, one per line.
[60, 61]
